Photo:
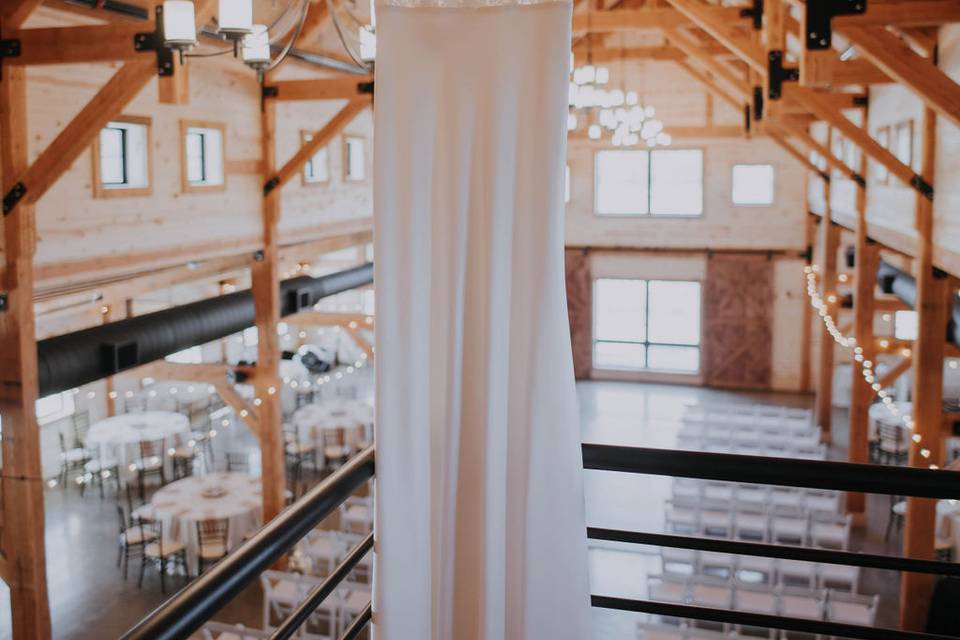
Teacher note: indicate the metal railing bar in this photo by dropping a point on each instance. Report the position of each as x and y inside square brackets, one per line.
[320, 593]
[358, 623]
[787, 552]
[188, 609]
[790, 472]
[801, 625]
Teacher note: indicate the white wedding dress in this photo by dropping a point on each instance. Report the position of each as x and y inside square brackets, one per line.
[480, 517]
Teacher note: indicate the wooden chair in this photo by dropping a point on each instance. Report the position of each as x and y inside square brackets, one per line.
[142, 513]
[335, 449]
[183, 454]
[893, 446]
[72, 459]
[163, 553]
[101, 469]
[131, 541]
[152, 462]
[212, 536]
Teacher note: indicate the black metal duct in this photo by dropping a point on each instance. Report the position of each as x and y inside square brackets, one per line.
[74, 359]
[904, 286]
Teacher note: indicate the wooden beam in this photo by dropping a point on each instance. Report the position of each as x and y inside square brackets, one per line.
[713, 86]
[320, 139]
[342, 88]
[896, 58]
[711, 22]
[903, 365]
[328, 318]
[62, 45]
[76, 137]
[265, 278]
[829, 246]
[15, 12]
[801, 157]
[22, 486]
[816, 146]
[618, 20]
[913, 13]
[317, 16]
[933, 311]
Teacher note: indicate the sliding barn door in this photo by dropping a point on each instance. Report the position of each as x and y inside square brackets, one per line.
[738, 321]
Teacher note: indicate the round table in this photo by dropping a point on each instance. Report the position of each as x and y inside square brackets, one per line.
[119, 437]
[355, 417]
[232, 496]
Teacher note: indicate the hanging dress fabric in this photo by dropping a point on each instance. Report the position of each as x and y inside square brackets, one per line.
[480, 530]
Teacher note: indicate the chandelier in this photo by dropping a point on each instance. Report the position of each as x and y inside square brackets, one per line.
[615, 111]
[254, 43]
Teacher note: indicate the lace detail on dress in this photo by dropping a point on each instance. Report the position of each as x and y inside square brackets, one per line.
[463, 4]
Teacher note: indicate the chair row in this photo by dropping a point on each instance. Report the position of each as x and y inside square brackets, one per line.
[749, 410]
[720, 496]
[283, 592]
[757, 570]
[709, 432]
[805, 529]
[697, 426]
[815, 604]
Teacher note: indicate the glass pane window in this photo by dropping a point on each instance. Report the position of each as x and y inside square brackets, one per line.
[646, 325]
[204, 155]
[356, 164]
[752, 184]
[113, 166]
[622, 182]
[676, 182]
[317, 168]
[905, 326]
[122, 148]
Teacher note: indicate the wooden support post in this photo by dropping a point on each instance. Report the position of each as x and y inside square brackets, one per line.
[23, 539]
[933, 308]
[829, 246]
[265, 279]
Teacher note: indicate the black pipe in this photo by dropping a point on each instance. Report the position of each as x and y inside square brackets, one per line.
[788, 472]
[188, 609]
[81, 357]
[903, 285]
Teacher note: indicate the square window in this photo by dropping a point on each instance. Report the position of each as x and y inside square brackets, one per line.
[753, 184]
[676, 182]
[622, 180]
[121, 158]
[355, 160]
[646, 325]
[317, 168]
[203, 156]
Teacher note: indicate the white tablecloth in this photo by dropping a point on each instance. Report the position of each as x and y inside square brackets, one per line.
[353, 416]
[180, 505]
[119, 437]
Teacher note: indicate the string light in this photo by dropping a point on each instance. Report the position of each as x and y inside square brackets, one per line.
[867, 366]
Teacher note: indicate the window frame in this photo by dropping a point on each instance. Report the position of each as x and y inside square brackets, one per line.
[101, 190]
[646, 342]
[346, 158]
[650, 214]
[754, 205]
[305, 135]
[190, 187]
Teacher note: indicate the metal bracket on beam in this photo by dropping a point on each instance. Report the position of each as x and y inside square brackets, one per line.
[365, 88]
[859, 179]
[9, 48]
[758, 103]
[755, 13]
[746, 117]
[921, 185]
[778, 74]
[861, 100]
[13, 197]
[271, 184]
[825, 176]
[819, 33]
[4, 305]
[268, 91]
[153, 41]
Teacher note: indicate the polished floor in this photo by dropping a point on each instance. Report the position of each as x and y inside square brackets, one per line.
[91, 601]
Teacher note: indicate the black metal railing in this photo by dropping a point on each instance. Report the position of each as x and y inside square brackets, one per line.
[195, 604]
[789, 472]
[188, 610]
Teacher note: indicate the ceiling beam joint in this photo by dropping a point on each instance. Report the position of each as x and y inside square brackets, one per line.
[819, 15]
[154, 41]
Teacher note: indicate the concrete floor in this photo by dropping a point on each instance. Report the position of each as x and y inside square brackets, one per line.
[90, 600]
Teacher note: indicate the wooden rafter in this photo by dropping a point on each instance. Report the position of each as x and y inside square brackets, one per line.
[896, 58]
[320, 139]
[15, 12]
[60, 45]
[341, 88]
